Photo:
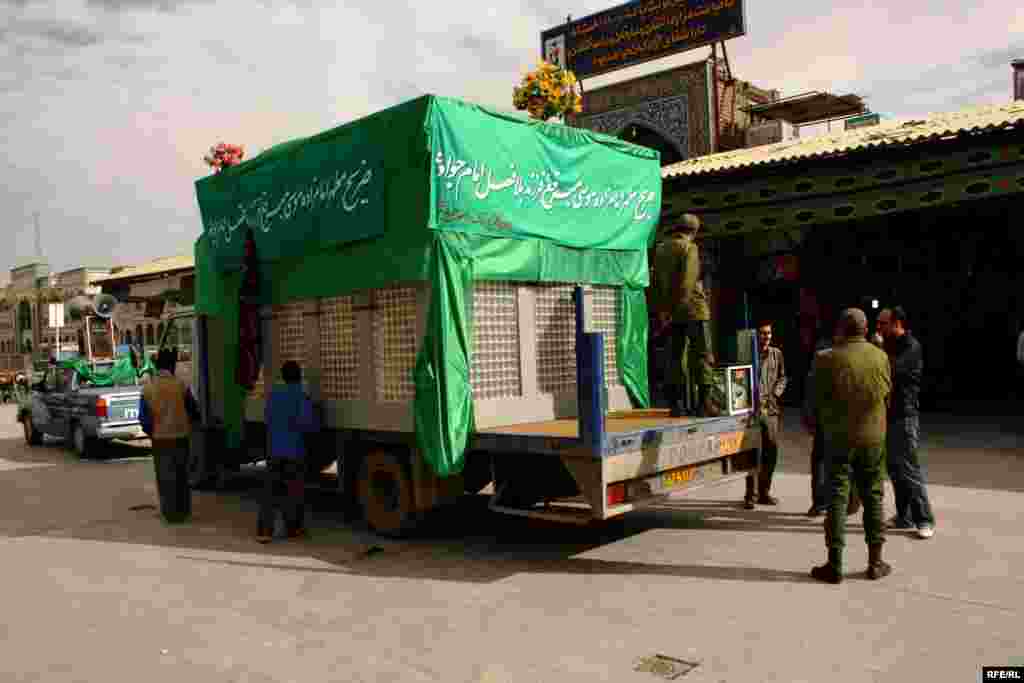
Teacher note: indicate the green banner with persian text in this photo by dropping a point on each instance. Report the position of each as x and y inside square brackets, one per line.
[565, 185]
[310, 194]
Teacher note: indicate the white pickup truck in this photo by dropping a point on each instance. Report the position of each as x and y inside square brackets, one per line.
[65, 406]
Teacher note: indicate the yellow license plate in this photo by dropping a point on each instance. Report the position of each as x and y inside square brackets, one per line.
[730, 443]
[678, 477]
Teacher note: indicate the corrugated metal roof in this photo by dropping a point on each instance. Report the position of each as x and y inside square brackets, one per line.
[150, 268]
[895, 133]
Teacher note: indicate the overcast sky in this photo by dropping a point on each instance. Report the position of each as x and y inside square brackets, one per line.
[107, 106]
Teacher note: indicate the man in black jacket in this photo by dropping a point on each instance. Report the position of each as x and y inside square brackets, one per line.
[906, 470]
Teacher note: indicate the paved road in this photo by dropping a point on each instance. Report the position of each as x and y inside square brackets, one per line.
[95, 590]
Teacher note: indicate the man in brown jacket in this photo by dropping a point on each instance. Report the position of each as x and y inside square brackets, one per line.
[852, 386]
[167, 411]
[772, 384]
[680, 298]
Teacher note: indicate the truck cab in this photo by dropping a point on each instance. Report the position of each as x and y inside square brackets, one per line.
[180, 334]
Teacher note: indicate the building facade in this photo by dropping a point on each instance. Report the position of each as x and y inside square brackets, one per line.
[917, 213]
[684, 112]
[146, 293]
[65, 286]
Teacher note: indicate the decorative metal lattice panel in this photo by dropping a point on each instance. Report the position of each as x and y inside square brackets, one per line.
[289, 342]
[291, 336]
[606, 319]
[395, 338]
[496, 370]
[339, 349]
[556, 335]
[556, 339]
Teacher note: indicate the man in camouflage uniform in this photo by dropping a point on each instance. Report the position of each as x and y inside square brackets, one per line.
[852, 384]
[681, 300]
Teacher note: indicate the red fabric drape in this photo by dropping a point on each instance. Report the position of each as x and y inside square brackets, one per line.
[249, 333]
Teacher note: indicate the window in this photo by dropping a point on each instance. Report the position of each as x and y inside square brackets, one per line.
[150, 341]
[128, 337]
[139, 338]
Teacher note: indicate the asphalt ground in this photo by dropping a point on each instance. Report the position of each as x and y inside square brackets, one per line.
[97, 589]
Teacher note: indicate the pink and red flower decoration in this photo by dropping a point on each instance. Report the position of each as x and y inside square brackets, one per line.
[223, 155]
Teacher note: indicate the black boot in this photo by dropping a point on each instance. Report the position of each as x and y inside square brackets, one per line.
[748, 499]
[877, 568]
[765, 485]
[831, 572]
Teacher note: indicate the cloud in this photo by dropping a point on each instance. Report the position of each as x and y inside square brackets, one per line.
[1000, 58]
[64, 34]
[108, 105]
[134, 5]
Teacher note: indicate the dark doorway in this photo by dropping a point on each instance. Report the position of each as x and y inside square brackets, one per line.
[638, 134]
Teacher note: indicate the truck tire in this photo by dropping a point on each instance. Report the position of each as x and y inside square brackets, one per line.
[385, 492]
[33, 437]
[83, 446]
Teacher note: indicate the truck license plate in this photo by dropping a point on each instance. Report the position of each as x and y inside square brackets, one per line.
[679, 477]
[130, 413]
[730, 443]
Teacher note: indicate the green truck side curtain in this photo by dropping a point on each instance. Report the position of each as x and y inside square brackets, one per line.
[454, 193]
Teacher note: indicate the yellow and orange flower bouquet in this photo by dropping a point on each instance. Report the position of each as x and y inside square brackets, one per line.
[548, 91]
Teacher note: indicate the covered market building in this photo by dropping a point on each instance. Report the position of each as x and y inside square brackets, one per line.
[919, 213]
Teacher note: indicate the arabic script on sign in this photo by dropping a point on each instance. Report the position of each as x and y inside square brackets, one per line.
[538, 189]
[345, 190]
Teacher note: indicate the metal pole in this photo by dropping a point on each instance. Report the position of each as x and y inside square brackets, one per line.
[717, 128]
[755, 381]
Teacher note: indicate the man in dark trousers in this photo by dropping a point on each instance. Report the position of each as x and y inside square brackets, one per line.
[906, 469]
[289, 417]
[167, 411]
[852, 384]
[819, 464]
[771, 385]
[680, 299]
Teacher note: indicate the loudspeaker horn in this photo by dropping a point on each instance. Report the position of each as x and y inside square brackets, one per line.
[104, 305]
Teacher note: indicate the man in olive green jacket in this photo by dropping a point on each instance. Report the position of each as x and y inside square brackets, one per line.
[852, 386]
[680, 298]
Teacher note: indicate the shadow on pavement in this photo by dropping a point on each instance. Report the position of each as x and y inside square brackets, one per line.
[113, 500]
[464, 543]
[967, 452]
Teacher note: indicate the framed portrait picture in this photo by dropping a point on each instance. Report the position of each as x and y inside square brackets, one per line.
[734, 389]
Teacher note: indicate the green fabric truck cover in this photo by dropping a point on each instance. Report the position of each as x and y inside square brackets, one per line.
[120, 373]
[440, 191]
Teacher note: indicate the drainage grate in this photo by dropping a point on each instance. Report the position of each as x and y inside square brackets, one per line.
[668, 668]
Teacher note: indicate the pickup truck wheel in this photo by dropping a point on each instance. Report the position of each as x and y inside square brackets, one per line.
[385, 491]
[33, 437]
[83, 445]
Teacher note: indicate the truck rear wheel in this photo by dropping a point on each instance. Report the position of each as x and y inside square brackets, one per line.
[385, 491]
[83, 445]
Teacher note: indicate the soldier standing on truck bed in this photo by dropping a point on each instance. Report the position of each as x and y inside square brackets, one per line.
[680, 299]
